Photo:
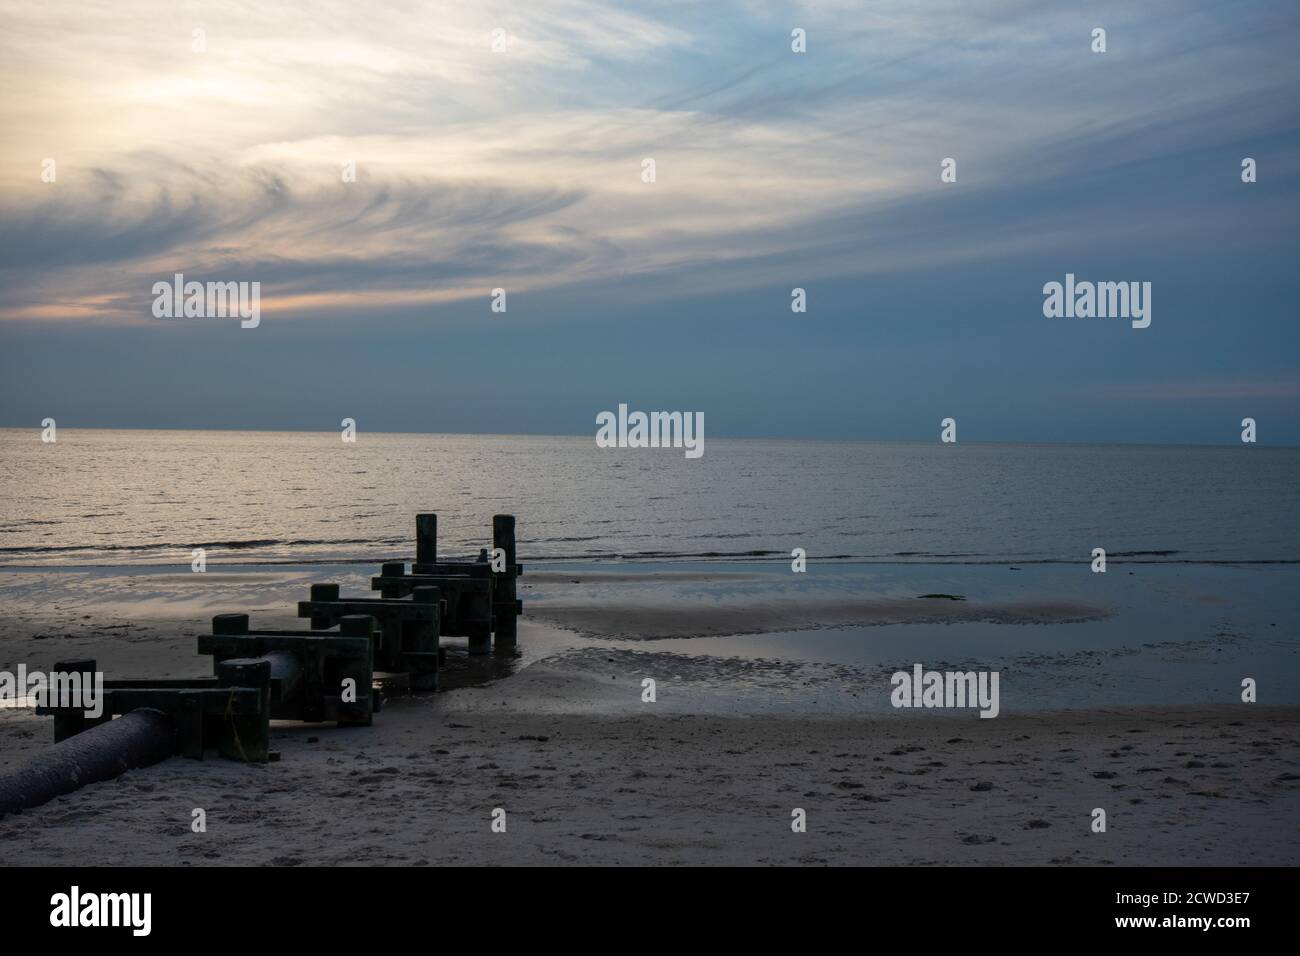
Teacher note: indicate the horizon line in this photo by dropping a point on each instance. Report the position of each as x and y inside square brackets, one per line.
[755, 438]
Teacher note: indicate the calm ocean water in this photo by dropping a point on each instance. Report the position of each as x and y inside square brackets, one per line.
[148, 497]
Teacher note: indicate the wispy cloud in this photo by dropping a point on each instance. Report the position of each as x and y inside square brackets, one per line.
[521, 168]
[1206, 391]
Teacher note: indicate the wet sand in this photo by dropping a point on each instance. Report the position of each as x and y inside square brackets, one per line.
[739, 736]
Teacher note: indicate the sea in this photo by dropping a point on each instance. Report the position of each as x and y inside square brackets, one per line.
[144, 497]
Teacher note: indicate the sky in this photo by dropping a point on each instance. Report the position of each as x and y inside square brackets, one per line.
[502, 145]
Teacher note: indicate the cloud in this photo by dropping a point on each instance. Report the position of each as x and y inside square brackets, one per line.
[522, 168]
[1205, 391]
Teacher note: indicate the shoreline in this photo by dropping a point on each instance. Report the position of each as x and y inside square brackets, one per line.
[756, 635]
[655, 560]
[745, 727]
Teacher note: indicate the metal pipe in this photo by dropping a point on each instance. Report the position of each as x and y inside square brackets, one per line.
[138, 739]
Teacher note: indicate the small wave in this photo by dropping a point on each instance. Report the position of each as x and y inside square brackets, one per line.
[664, 557]
[247, 544]
[648, 555]
[935, 554]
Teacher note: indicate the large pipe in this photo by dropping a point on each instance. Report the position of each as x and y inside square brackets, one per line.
[107, 750]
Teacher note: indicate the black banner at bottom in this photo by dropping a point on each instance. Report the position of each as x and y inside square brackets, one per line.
[334, 906]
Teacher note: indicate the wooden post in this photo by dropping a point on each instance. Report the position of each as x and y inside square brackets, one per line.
[503, 536]
[392, 569]
[505, 611]
[422, 652]
[68, 723]
[480, 638]
[230, 624]
[360, 713]
[323, 592]
[245, 737]
[227, 624]
[426, 539]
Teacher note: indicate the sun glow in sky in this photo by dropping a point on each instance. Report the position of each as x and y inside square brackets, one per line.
[209, 138]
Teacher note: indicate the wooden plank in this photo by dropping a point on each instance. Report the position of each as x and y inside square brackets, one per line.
[407, 610]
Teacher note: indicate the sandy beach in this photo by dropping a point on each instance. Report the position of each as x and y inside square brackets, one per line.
[1196, 786]
[560, 737]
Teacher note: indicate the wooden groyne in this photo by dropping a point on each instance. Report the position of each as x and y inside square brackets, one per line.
[327, 673]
